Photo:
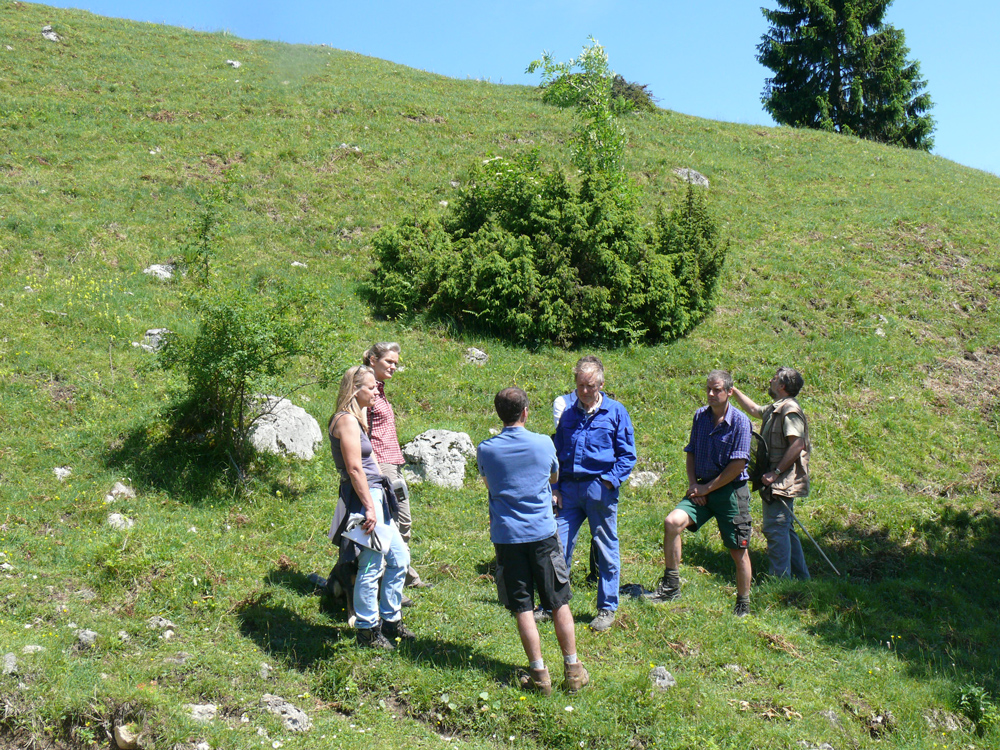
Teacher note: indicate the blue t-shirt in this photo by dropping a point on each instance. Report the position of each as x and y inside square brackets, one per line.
[714, 446]
[517, 464]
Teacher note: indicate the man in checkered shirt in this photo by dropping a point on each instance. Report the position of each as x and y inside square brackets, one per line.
[717, 455]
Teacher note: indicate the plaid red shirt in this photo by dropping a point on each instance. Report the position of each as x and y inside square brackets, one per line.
[382, 430]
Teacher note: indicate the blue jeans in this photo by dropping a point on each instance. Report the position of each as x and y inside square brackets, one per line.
[599, 505]
[784, 549]
[368, 605]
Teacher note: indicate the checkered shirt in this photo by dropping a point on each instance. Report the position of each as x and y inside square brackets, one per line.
[382, 430]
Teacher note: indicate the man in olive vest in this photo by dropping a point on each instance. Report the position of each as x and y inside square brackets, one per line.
[786, 434]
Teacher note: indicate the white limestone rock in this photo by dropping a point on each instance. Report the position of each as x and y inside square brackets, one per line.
[294, 719]
[286, 429]
[689, 175]
[438, 457]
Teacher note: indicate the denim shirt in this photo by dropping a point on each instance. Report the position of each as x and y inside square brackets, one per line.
[601, 444]
[714, 446]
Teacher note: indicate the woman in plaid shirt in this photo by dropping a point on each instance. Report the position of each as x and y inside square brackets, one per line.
[383, 358]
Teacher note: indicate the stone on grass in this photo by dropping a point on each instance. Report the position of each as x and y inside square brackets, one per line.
[62, 472]
[119, 490]
[265, 671]
[438, 457]
[203, 746]
[294, 719]
[180, 658]
[48, 33]
[689, 175]
[118, 522]
[151, 342]
[162, 271]
[123, 636]
[9, 663]
[159, 623]
[203, 712]
[297, 264]
[233, 63]
[476, 356]
[661, 678]
[126, 738]
[32, 649]
[86, 639]
[945, 721]
[6, 566]
[640, 479]
[286, 429]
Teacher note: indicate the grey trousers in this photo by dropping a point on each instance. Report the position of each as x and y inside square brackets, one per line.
[405, 523]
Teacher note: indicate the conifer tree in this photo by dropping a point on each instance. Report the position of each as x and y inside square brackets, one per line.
[838, 67]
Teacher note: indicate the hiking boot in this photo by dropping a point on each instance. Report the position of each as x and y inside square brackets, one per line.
[666, 591]
[542, 615]
[373, 638]
[537, 680]
[575, 677]
[742, 608]
[604, 620]
[397, 632]
[405, 601]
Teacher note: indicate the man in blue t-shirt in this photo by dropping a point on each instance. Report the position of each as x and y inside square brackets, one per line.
[519, 468]
[717, 454]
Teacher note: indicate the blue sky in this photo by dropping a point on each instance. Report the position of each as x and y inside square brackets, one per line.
[696, 56]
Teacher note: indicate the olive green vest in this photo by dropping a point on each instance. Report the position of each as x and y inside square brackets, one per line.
[795, 481]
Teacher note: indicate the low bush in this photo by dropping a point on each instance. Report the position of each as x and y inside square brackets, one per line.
[247, 337]
[527, 256]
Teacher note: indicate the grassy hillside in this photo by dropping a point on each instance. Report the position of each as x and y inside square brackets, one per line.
[872, 270]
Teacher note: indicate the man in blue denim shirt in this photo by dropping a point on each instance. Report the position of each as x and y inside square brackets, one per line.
[595, 444]
[717, 455]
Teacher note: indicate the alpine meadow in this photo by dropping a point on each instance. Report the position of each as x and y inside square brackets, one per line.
[872, 269]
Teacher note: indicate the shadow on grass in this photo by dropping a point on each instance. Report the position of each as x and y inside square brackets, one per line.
[284, 634]
[930, 592]
[167, 458]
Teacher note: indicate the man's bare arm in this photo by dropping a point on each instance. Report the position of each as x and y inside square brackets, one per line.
[753, 409]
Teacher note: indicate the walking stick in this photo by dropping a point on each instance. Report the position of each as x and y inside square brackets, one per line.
[795, 518]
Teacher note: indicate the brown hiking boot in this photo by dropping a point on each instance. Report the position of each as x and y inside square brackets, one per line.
[537, 680]
[576, 676]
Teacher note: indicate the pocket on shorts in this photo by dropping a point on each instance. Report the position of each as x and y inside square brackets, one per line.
[501, 585]
[742, 530]
[559, 568]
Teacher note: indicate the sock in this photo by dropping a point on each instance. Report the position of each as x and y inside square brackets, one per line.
[670, 575]
[743, 599]
[571, 659]
[540, 664]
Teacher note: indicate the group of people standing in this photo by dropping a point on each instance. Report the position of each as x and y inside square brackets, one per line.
[542, 488]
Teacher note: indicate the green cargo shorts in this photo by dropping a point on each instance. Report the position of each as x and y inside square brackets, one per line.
[730, 506]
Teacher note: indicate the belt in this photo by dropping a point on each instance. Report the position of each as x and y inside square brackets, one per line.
[578, 477]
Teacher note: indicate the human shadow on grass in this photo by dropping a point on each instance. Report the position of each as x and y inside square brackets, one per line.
[930, 593]
[284, 634]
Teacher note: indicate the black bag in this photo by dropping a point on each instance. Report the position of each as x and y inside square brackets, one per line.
[759, 463]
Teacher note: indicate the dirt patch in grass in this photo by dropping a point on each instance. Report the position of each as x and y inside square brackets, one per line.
[876, 721]
[779, 643]
[971, 380]
[434, 119]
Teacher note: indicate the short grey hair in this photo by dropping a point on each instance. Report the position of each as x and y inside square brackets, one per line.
[589, 364]
[721, 375]
[790, 380]
[378, 350]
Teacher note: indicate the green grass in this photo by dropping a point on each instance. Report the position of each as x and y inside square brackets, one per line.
[873, 270]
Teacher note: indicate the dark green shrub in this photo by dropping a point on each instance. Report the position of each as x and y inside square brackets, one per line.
[526, 256]
[631, 96]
